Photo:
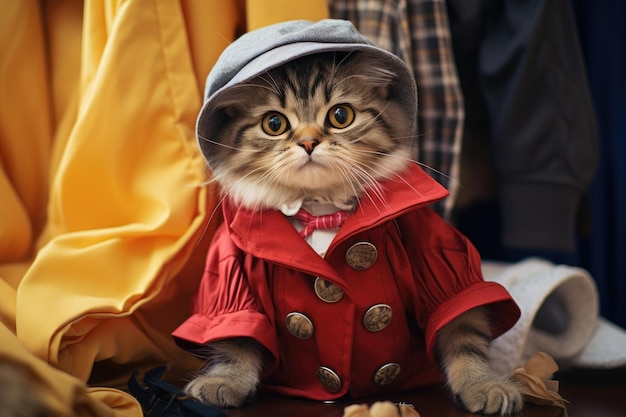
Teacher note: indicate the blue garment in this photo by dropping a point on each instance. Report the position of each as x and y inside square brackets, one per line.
[602, 27]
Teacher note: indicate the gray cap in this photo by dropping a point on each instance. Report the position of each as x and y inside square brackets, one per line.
[261, 50]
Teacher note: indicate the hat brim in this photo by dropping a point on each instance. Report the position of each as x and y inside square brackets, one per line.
[209, 122]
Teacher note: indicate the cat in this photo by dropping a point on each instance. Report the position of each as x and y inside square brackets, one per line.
[325, 129]
[267, 172]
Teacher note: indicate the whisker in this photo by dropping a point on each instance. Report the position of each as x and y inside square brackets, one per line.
[349, 181]
[423, 165]
[214, 142]
[375, 119]
[344, 59]
[367, 184]
[272, 85]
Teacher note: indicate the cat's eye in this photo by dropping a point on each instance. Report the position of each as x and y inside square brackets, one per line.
[274, 124]
[341, 116]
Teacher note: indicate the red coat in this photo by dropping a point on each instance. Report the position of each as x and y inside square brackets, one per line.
[259, 270]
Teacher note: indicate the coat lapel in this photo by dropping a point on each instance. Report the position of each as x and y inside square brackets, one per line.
[269, 235]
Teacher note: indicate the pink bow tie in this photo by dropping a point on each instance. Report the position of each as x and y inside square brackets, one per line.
[325, 222]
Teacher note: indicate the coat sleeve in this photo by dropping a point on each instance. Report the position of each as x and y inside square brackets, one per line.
[226, 305]
[544, 145]
[448, 277]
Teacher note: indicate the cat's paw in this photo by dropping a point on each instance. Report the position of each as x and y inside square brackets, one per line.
[220, 391]
[491, 397]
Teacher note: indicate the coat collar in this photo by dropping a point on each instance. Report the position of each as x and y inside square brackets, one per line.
[257, 232]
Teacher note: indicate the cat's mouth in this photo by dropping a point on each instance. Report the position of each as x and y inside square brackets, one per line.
[311, 160]
[312, 165]
[314, 169]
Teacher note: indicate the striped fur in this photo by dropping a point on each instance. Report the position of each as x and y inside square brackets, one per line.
[313, 159]
[262, 171]
[462, 349]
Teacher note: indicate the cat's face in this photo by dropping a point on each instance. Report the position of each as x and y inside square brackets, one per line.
[323, 127]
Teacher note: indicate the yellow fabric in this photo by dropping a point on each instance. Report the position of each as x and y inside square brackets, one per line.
[104, 207]
[262, 13]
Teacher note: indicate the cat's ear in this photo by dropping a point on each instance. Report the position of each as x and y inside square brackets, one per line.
[231, 101]
[380, 83]
[231, 111]
[376, 73]
[231, 104]
[382, 91]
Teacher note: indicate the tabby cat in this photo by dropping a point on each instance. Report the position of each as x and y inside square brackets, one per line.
[324, 129]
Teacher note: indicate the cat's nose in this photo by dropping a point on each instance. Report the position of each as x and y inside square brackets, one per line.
[308, 144]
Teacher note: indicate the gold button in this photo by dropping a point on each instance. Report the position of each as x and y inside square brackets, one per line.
[327, 291]
[387, 373]
[377, 317]
[299, 325]
[361, 255]
[329, 379]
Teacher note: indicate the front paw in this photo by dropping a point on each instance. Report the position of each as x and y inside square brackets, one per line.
[491, 397]
[219, 391]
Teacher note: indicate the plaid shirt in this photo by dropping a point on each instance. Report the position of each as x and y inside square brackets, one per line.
[417, 31]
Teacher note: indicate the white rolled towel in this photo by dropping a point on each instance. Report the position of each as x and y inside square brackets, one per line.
[559, 315]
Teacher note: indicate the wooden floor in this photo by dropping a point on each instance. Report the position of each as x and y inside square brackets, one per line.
[590, 394]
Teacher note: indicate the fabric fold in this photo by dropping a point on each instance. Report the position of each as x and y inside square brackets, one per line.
[560, 316]
[106, 213]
